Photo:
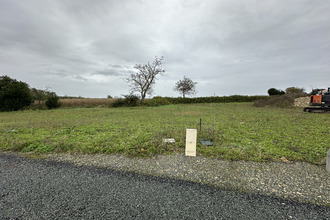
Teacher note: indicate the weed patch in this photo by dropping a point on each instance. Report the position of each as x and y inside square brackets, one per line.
[39, 148]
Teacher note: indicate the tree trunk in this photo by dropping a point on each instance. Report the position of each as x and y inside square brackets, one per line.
[142, 97]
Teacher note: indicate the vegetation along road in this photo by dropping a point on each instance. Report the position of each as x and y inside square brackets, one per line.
[52, 190]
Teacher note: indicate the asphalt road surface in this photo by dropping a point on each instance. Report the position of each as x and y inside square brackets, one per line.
[31, 189]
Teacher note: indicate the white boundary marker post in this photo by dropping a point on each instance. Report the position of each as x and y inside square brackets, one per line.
[191, 139]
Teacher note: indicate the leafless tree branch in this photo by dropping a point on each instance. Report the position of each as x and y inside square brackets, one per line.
[144, 80]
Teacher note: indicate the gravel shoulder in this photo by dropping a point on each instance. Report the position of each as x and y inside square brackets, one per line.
[297, 181]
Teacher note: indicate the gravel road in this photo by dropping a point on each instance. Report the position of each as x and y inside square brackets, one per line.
[299, 181]
[43, 189]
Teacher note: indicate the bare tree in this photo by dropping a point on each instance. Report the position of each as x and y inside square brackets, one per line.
[144, 79]
[186, 87]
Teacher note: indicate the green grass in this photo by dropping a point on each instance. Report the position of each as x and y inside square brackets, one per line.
[239, 131]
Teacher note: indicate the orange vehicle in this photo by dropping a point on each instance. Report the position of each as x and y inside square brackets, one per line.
[319, 103]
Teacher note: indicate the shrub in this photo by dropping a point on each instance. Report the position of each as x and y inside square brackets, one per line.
[283, 101]
[292, 90]
[215, 99]
[118, 103]
[39, 95]
[14, 95]
[130, 100]
[273, 91]
[156, 101]
[52, 101]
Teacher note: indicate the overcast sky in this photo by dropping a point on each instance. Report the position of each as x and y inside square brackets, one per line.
[87, 47]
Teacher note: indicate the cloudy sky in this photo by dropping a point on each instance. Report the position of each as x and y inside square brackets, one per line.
[87, 47]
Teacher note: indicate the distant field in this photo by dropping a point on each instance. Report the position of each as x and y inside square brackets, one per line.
[76, 103]
[85, 103]
[239, 131]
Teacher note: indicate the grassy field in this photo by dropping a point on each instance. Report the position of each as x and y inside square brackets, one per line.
[239, 131]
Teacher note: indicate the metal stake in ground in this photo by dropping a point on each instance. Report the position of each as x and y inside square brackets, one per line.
[204, 142]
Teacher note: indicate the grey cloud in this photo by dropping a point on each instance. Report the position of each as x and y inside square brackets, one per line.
[223, 44]
[108, 72]
[115, 70]
[116, 66]
[79, 77]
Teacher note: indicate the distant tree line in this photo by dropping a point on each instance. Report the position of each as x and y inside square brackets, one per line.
[290, 90]
[158, 100]
[16, 95]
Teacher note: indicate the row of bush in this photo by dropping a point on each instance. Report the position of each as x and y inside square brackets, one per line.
[215, 99]
[16, 95]
[133, 100]
[282, 101]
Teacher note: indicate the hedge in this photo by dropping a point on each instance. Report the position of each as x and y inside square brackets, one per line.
[213, 99]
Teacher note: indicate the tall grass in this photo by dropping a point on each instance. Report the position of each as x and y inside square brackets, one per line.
[85, 103]
[76, 103]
